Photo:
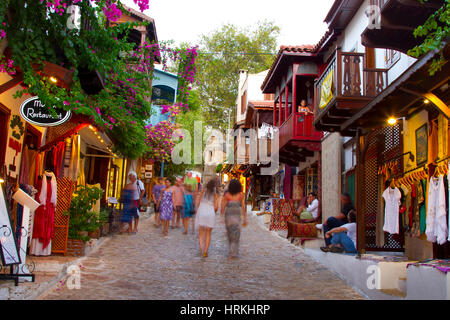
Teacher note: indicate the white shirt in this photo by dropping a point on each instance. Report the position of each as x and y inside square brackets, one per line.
[139, 188]
[313, 208]
[351, 231]
[391, 211]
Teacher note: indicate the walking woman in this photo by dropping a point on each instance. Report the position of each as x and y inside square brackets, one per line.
[129, 211]
[206, 215]
[165, 203]
[233, 204]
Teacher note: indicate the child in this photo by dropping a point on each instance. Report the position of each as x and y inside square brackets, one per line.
[165, 203]
[188, 206]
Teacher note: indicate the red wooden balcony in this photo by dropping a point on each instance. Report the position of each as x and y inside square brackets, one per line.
[352, 87]
[298, 139]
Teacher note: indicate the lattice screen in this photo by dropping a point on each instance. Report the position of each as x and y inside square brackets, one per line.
[56, 131]
[61, 225]
[384, 145]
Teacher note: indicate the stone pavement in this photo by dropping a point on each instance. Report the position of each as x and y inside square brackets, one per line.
[149, 266]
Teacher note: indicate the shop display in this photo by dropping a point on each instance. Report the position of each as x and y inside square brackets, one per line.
[44, 216]
[392, 198]
[436, 219]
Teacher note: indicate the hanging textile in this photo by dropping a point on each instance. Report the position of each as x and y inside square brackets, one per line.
[442, 136]
[24, 166]
[433, 142]
[379, 232]
[81, 176]
[74, 158]
[392, 204]
[422, 208]
[32, 160]
[436, 221]
[448, 207]
[58, 158]
[44, 216]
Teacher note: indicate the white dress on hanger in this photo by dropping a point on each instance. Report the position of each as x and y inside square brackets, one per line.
[391, 211]
[436, 229]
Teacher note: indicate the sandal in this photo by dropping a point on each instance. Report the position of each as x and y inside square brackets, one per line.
[336, 249]
[325, 249]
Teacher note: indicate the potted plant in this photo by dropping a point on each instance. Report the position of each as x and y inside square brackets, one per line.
[82, 219]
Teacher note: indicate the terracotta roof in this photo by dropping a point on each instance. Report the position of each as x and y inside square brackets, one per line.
[302, 48]
[138, 14]
[261, 104]
[307, 48]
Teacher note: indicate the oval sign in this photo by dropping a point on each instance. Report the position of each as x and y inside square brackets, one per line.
[34, 111]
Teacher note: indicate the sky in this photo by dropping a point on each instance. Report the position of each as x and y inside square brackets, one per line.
[301, 21]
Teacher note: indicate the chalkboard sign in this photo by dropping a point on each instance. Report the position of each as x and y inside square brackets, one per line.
[34, 111]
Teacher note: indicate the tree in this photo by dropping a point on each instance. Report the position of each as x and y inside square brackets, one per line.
[436, 31]
[222, 54]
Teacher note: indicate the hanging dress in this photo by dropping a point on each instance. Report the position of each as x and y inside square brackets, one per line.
[44, 217]
[391, 211]
[436, 229]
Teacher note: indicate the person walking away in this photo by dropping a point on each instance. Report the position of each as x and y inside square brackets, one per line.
[206, 215]
[233, 205]
[137, 196]
[338, 220]
[177, 191]
[129, 211]
[188, 211]
[156, 192]
[343, 238]
[165, 203]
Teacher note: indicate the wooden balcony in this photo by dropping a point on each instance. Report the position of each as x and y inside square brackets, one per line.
[352, 87]
[298, 138]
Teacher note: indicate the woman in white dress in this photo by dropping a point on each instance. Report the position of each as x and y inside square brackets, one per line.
[206, 207]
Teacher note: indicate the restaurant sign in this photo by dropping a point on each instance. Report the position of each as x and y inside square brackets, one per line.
[34, 111]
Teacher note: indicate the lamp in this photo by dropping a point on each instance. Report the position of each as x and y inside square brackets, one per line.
[392, 121]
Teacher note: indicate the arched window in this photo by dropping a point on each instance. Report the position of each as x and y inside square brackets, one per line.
[163, 95]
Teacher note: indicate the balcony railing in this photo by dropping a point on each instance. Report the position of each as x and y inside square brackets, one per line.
[378, 3]
[299, 126]
[349, 80]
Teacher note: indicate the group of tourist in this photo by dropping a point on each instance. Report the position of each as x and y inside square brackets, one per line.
[185, 200]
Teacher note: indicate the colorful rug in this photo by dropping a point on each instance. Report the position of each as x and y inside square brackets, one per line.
[441, 265]
[282, 210]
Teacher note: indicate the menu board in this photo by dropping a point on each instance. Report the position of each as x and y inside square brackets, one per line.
[8, 245]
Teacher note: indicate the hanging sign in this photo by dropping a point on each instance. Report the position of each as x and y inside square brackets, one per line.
[326, 92]
[34, 111]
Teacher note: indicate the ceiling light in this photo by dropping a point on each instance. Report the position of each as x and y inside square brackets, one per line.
[53, 79]
[392, 121]
[426, 101]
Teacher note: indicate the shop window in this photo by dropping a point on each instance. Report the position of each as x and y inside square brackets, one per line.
[163, 95]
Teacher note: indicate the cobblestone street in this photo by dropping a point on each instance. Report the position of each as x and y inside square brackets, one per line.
[149, 266]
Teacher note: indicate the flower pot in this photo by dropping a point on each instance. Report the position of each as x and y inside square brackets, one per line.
[83, 233]
[75, 248]
[104, 229]
[94, 234]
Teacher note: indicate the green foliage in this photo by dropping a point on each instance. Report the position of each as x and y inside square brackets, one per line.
[222, 54]
[219, 167]
[436, 31]
[82, 218]
[36, 34]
